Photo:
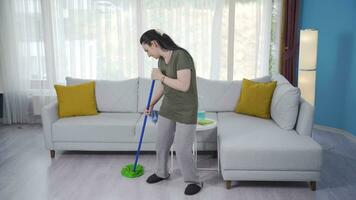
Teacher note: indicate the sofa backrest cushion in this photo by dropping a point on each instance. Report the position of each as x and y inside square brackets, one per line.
[285, 103]
[144, 86]
[216, 96]
[113, 96]
[280, 79]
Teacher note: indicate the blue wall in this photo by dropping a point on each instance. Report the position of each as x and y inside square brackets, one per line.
[335, 104]
[351, 95]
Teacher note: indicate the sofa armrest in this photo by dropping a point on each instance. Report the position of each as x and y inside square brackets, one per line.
[49, 115]
[305, 118]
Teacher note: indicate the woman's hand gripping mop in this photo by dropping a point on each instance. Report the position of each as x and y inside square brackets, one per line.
[136, 170]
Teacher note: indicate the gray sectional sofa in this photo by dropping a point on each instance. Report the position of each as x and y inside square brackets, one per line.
[250, 148]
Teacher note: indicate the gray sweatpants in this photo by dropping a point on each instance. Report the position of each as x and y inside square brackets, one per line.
[183, 136]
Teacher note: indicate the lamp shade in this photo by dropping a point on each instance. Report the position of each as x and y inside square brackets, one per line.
[308, 49]
[306, 83]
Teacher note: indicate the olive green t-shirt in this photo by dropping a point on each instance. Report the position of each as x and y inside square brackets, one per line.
[177, 105]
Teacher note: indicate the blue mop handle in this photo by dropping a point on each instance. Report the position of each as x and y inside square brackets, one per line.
[144, 125]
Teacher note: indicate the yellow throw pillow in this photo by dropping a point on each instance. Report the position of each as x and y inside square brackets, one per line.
[76, 100]
[255, 98]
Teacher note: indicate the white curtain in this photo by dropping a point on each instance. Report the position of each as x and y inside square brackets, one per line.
[43, 41]
[252, 37]
[21, 56]
[95, 39]
[198, 26]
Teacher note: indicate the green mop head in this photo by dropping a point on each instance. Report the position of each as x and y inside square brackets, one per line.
[128, 171]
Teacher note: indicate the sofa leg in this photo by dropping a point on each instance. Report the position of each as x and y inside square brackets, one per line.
[312, 185]
[52, 152]
[228, 184]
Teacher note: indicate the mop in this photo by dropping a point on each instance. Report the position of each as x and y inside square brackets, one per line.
[136, 170]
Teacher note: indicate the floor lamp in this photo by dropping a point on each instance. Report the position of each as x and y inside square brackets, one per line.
[307, 63]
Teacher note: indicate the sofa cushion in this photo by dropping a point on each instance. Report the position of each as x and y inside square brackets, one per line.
[250, 143]
[280, 79]
[255, 98]
[150, 130]
[76, 100]
[144, 86]
[220, 96]
[285, 105]
[104, 127]
[113, 96]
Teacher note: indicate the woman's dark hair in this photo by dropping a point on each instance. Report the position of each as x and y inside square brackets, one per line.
[163, 40]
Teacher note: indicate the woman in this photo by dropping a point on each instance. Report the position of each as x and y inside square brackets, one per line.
[178, 112]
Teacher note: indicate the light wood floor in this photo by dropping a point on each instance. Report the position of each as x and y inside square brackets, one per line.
[27, 172]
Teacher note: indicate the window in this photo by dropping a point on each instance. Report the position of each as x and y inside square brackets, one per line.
[99, 39]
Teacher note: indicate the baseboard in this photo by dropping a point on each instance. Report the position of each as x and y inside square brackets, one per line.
[335, 130]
